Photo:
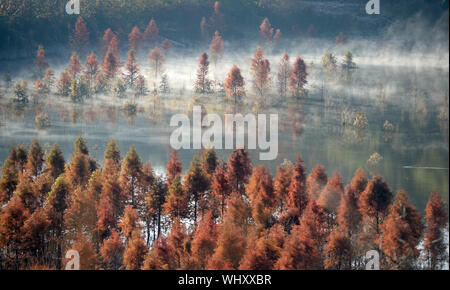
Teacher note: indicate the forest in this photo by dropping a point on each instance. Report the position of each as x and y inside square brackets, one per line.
[220, 215]
[363, 158]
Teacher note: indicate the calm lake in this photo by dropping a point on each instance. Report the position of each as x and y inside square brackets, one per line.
[412, 147]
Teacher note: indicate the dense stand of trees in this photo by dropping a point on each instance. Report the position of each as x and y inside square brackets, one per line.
[218, 215]
[22, 21]
[104, 73]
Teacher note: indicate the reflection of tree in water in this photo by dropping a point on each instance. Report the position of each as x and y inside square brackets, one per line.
[442, 117]
[283, 119]
[373, 162]
[297, 119]
[360, 126]
[382, 102]
[155, 110]
[111, 113]
[388, 131]
[347, 116]
[333, 105]
[130, 111]
[421, 113]
[2, 117]
[419, 100]
[18, 111]
[76, 114]
[63, 113]
[91, 114]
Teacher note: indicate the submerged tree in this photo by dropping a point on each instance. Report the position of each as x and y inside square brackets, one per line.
[166, 45]
[156, 60]
[216, 48]
[63, 84]
[91, 70]
[40, 63]
[110, 65]
[21, 92]
[329, 64]
[79, 40]
[151, 33]
[140, 86]
[283, 75]
[132, 69]
[106, 40]
[49, 79]
[135, 38]
[266, 32]
[260, 68]
[348, 67]
[297, 81]
[234, 84]
[74, 67]
[202, 84]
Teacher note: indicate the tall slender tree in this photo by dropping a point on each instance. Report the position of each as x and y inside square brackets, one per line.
[436, 219]
[283, 75]
[401, 233]
[202, 84]
[239, 170]
[260, 68]
[135, 39]
[79, 40]
[298, 80]
[151, 33]
[40, 63]
[234, 85]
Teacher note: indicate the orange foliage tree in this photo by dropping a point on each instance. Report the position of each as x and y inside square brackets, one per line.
[135, 38]
[173, 167]
[283, 75]
[260, 68]
[151, 33]
[234, 84]
[202, 84]
[40, 63]
[79, 39]
[401, 233]
[298, 80]
[436, 219]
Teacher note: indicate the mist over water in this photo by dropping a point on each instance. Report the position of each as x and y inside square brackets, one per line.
[402, 77]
